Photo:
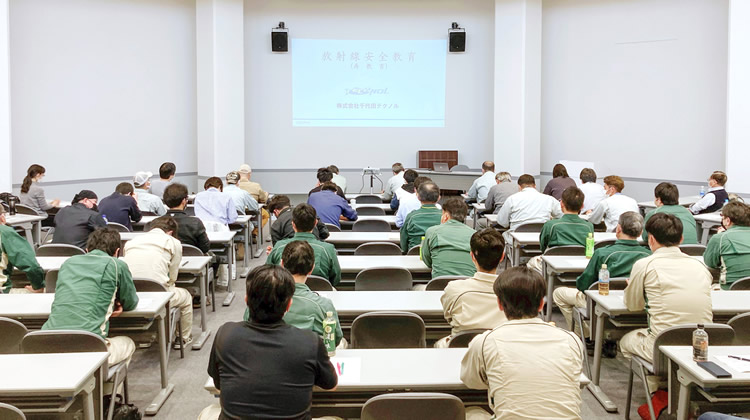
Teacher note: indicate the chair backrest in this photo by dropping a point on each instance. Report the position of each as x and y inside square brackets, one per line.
[530, 227]
[439, 282]
[62, 341]
[694, 250]
[741, 326]
[602, 244]
[9, 412]
[368, 199]
[370, 211]
[741, 284]
[463, 338]
[50, 281]
[569, 250]
[332, 228]
[24, 209]
[148, 285]
[189, 210]
[12, 333]
[371, 225]
[682, 335]
[383, 278]
[318, 284]
[459, 168]
[378, 248]
[58, 250]
[414, 405]
[191, 251]
[388, 330]
[414, 250]
[118, 227]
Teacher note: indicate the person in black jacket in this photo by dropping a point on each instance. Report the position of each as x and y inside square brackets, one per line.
[74, 223]
[280, 206]
[190, 229]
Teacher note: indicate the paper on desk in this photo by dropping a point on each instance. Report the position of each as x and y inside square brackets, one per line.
[736, 365]
[349, 369]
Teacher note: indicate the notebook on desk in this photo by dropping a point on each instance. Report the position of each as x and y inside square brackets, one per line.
[441, 167]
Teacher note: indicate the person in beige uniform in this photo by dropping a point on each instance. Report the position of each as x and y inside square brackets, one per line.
[157, 255]
[531, 368]
[471, 304]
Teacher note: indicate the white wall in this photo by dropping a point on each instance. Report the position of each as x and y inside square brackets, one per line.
[738, 102]
[102, 88]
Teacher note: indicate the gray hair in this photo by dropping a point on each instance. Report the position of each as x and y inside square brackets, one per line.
[503, 176]
[631, 224]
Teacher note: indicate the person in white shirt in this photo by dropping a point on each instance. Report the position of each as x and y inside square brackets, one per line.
[593, 192]
[243, 200]
[481, 186]
[395, 182]
[527, 206]
[408, 202]
[338, 179]
[614, 205]
[147, 201]
[215, 209]
[714, 199]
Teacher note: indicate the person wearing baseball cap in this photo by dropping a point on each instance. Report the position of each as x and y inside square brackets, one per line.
[242, 199]
[147, 202]
[255, 190]
[74, 223]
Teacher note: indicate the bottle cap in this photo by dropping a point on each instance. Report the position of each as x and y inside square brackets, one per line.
[591, 235]
[604, 266]
[329, 313]
[700, 326]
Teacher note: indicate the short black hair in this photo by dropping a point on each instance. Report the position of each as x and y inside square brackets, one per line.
[428, 192]
[668, 193]
[334, 169]
[487, 246]
[420, 180]
[665, 228]
[737, 212]
[124, 188]
[304, 217]
[456, 207]
[587, 175]
[324, 175]
[213, 182]
[174, 194]
[329, 186]
[573, 198]
[298, 257]
[104, 239]
[410, 175]
[520, 291]
[527, 180]
[166, 170]
[278, 202]
[165, 223]
[268, 289]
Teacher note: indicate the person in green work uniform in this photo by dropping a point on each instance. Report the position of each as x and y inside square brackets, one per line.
[93, 287]
[304, 219]
[16, 252]
[418, 221]
[447, 246]
[729, 249]
[570, 229]
[667, 200]
[308, 308]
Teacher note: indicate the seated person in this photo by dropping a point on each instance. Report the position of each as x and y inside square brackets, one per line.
[406, 188]
[325, 175]
[418, 221]
[264, 367]
[213, 206]
[447, 246]
[593, 192]
[716, 196]
[471, 303]
[616, 203]
[147, 202]
[677, 288]
[32, 194]
[560, 182]
[338, 179]
[481, 186]
[74, 223]
[527, 206]
[282, 228]
[255, 190]
[570, 229]
[406, 201]
[500, 192]
[242, 199]
[531, 368]
[157, 255]
[308, 308]
[167, 170]
[190, 229]
[330, 207]
[729, 249]
[121, 207]
[91, 288]
[16, 252]
[395, 182]
[667, 200]
[304, 218]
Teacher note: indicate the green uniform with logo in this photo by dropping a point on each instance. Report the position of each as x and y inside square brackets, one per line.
[416, 224]
[447, 249]
[567, 230]
[326, 261]
[689, 230]
[16, 251]
[730, 251]
[619, 258]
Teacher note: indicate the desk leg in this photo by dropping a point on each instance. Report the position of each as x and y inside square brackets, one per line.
[205, 332]
[684, 400]
[516, 254]
[38, 233]
[596, 391]
[166, 387]
[475, 218]
[230, 294]
[704, 236]
[261, 244]
[248, 251]
[88, 405]
[550, 289]
[29, 235]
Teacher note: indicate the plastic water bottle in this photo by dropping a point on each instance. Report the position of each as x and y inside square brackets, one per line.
[104, 216]
[421, 245]
[700, 344]
[590, 245]
[703, 191]
[329, 334]
[604, 280]
[726, 201]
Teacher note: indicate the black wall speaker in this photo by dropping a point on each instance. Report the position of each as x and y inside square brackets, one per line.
[457, 41]
[279, 41]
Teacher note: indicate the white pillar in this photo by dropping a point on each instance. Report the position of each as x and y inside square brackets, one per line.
[738, 97]
[518, 79]
[5, 144]
[221, 86]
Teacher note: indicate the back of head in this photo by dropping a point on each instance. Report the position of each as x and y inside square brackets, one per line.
[573, 198]
[737, 212]
[298, 257]
[615, 181]
[503, 177]
[631, 224]
[456, 208]
[140, 180]
[520, 291]
[334, 169]
[526, 180]
[84, 194]
[587, 175]
[31, 173]
[421, 179]
[668, 193]
[278, 202]
[174, 194]
[166, 170]
[233, 177]
[410, 175]
[397, 167]
[213, 182]
[329, 186]
[104, 239]
[269, 288]
[559, 170]
[304, 217]
[165, 223]
[488, 166]
[720, 177]
[487, 245]
[245, 169]
[324, 175]
[428, 192]
[124, 188]
[665, 228]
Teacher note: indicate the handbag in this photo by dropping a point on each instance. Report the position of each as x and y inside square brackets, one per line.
[122, 411]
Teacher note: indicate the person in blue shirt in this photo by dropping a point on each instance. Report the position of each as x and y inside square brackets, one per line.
[213, 205]
[122, 206]
[243, 200]
[330, 206]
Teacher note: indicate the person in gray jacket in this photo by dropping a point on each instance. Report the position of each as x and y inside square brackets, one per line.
[32, 195]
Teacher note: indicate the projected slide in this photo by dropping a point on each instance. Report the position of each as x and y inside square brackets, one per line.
[349, 83]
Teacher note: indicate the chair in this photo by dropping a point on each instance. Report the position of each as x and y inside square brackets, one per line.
[319, 284]
[370, 211]
[414, 405]
[9, 412]
[528, 251]
[12, 333]
[332, 228]
[388, 330]
[602, 244]
[439, 283]
[188, 279]
[463, 338]
[68, 341]
[530, 227]
[58, 250]
[694, 250]
[24, 209]
[718, 334]
[118, 227]
[459, 168]
[741, 284]
[371, 225]
[414, 250]
[50, 281]
[565, 250]
[383, 278]
[368, 199]
[378, 248]
[741, 326]
[174, 321]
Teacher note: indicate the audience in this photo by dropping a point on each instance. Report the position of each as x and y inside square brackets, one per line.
[406, 202]
[280, 206]
[667, 200]
[593, 192]
[190, 230]
[405, 190]
[716, 196]
[330, 206]
[729, 249]
[500, 192]
[481, 186]
[74, 223]
[121, 207]
[527, 206]
[167, 171]
[255, 190]
[616, 203]
[560, 182]
[447, 246]
[16, 252]
[325, 175]
[418, 221]
[531, 368]
[243, 201]
[32, 195]
[147, 202]
[338, 179]
[213, 206]
[395, 182]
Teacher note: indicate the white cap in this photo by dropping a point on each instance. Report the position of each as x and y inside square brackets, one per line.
[245, 168]
[141, 178]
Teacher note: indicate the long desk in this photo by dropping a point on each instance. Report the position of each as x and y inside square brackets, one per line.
[347, 224]
[522, 239]
[458, 180]
[351, 265]
[353, 196]
[33, 310]
[31, 224]
[350, 240]
[687, 201]
[707, 221]
[385, 206]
